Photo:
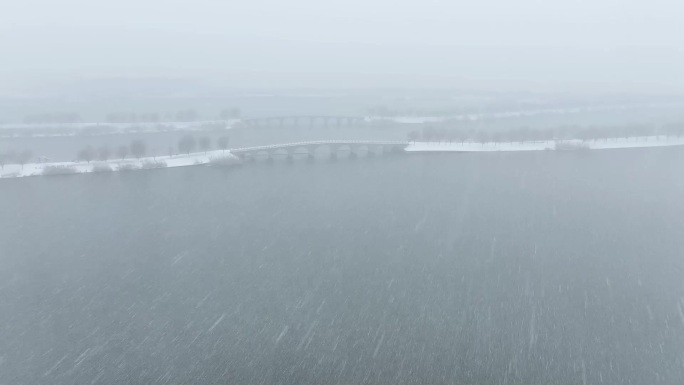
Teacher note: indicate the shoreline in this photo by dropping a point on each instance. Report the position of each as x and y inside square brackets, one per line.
[226, 158]
[217, 157]
[548, 145]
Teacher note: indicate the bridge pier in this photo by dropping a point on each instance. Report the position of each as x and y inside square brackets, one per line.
[269, 157]
[394, 150]
[357, 149]
[310, 153]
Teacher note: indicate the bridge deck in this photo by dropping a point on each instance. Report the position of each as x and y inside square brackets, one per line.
[319, 143]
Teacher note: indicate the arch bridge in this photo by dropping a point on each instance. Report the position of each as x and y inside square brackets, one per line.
[309, 148]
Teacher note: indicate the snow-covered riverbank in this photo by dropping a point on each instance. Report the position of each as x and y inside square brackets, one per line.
[225, 158]
[637, 142]
[195, 159]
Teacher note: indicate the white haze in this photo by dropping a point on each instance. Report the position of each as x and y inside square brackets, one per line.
[587, 45]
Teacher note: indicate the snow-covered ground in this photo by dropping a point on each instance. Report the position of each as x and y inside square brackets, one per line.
[218, 157]
[637, 142]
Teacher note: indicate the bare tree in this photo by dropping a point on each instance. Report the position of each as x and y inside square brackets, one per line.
[482, 137]
[451, 135]
[413, 136]
[104, 153]
[205, 143]
[460, 135]
[23, 157]
[138, 148]
[11, 157]
[122, 152]
[586, 135]
[675, 129]
[440, 134]
[222, 142]
[186, 144]
[87, 154]
[429, 134]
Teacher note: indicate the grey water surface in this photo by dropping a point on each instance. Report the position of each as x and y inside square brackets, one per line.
[459, 268]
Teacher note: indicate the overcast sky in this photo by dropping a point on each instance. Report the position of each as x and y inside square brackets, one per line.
[508, 44]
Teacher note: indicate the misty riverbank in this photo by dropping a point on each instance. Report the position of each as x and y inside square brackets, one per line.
[225, 158]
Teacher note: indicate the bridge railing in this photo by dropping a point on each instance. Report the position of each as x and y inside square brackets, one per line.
[320, 143]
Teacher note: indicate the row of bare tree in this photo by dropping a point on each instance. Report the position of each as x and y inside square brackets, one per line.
[188, 143]
[14, 157]
[138, 148]
[187, 115]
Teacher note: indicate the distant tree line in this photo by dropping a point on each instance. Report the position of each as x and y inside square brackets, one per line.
[60, 117]
[528, 134]
[132, 117]
[393, 112]
[14, 157]
[138, 149]
[490, 107]
[188, 143]
[185, 115]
